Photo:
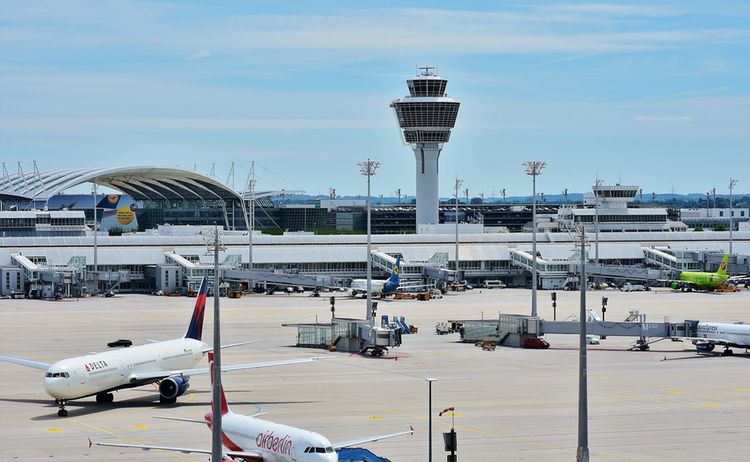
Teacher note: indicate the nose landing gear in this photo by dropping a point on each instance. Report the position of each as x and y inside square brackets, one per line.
[61, 412]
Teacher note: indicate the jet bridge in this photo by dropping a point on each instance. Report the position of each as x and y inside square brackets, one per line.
[509, 329]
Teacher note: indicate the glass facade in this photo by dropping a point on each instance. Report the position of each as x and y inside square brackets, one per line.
[426, 114]
[427, 87]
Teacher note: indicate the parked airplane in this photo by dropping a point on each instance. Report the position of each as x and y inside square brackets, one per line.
[699, 280]
[710, 334]
[378, 288]
[169, 363]
[248, 438]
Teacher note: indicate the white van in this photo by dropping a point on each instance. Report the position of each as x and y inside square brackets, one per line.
[494, 284]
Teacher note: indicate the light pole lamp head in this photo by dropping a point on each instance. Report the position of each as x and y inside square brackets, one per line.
[534, 168]
[732, 183]
[369, 167]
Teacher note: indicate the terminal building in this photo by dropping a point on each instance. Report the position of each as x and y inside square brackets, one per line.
[55, 252]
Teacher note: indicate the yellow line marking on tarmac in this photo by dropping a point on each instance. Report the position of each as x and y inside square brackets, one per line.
[54, 430]
[711, 404]
[676, 392]
[140, 427]
[375, 417]
[742, 389]
[517, 439]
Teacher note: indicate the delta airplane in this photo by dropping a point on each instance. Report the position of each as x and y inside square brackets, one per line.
[169, 363]
[248, 438]
[378, 288]
[710, 334]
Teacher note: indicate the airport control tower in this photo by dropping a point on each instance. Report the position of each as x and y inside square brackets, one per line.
[426, 118]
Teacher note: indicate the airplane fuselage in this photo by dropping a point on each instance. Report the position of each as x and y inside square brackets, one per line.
[701, 279]
[737, 335]
[277, 442]
[87, 375]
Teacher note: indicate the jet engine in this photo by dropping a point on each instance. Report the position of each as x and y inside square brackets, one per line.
[172, 387]
[704, 346]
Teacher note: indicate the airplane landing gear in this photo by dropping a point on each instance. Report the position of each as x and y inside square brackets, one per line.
[727, 352]
[163, 400]
[61, 412]
[103, 398]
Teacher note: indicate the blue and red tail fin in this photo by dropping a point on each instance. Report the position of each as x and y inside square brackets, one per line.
[195, 329]
[224, 405]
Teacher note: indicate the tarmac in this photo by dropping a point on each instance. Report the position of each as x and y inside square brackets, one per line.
[666, 404]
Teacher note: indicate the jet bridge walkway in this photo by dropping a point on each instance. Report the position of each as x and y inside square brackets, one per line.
[284, 279]
[520, 325]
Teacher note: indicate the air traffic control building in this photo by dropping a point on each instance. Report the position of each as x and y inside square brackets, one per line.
[426, 118]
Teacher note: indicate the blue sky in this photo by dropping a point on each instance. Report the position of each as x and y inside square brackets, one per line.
[655, 94]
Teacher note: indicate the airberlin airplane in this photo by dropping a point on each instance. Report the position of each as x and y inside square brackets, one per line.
[169, 363]
[247, 438]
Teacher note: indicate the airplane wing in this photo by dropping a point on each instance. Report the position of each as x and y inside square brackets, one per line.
[25, 362]
[232, 345]
[715, 341]
[243, 455]
[157, 375]
[370, 439]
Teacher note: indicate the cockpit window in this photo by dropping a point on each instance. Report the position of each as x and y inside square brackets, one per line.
[321, 450]
[57, 375]
[329, 449]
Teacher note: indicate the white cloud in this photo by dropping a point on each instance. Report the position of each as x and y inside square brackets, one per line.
[663, 119]
[198, 55]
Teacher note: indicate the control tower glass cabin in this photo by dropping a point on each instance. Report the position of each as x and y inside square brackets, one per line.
[426, 118]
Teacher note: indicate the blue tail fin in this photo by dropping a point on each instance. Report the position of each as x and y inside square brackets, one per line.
[195, 329]
[396, 271]
[391, 284]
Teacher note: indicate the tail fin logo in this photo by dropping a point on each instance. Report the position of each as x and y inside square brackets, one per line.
[195, 329]
[723, 266]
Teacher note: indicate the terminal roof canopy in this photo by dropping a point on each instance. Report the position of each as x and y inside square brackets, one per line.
[141, 183]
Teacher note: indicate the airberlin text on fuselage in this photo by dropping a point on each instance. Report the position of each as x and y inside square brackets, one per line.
[274, 443]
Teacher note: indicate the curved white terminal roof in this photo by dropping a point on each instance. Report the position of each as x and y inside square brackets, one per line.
[141, 183]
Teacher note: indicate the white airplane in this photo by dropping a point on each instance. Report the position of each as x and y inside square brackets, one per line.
[169, 363]
[248, 438]
[710, 334]
[377, 287]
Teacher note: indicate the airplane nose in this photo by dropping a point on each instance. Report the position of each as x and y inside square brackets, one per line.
[56, 387]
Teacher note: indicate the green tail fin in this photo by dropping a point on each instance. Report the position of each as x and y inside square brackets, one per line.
[723, 267]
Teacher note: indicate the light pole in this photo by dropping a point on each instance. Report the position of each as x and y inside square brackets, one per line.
[216, 452]
[459, 183]
[533, 169]
[732, 184]
[596, 221]
[582, 453]
[96, 253]
[429, 417]
[368, 169]
[251, 217]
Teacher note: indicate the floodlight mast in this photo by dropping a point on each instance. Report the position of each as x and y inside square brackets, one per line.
[533, 169]
[732, 185]
[368, 169]
[459, 183]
